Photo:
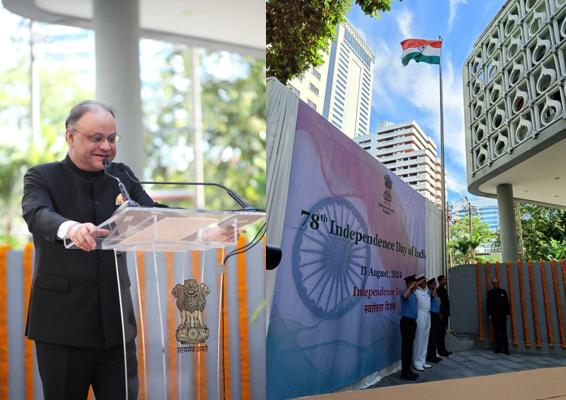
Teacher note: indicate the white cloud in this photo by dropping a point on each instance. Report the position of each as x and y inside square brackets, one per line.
[404, 20]
[420, 83]
[396, 86]
[455, 184]
[360, 31]
[381, 97]
[423, 92]
[453, 7]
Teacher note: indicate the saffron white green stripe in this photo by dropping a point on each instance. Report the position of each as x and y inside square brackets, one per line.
[427, 51]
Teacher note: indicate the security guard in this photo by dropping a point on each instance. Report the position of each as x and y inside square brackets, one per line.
[498, 310]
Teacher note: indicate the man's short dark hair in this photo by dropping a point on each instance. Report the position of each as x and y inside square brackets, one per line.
[441, 277]
[82, 108]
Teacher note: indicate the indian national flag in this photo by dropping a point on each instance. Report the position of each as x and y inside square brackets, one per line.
[427, 51]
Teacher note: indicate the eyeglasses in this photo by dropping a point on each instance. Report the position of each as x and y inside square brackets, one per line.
[98, 138]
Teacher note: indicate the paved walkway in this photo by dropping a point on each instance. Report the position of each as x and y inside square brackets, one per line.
[477, 363]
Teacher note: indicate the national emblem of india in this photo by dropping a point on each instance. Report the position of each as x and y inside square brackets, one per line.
[191, 301]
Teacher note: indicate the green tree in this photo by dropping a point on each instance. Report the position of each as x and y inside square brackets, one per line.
[234, 113]
[166, 117]
[48, 146]
[233, 117]
[543, 232]
[11, 173]
[463, 241]
[300, 32]
[14, 119]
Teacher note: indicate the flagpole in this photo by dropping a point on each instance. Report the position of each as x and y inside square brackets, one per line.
[443, 174]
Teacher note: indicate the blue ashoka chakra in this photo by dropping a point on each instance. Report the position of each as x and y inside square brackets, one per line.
[327, 267]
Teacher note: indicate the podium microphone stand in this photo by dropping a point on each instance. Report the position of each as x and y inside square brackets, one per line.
[191, 289]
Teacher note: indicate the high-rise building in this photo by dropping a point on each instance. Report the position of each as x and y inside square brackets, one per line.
[514, 109]
[311, 86]
[409, 153]
[340, 89]
[485, 208]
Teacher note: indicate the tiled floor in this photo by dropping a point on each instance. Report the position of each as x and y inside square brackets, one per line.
[476, 363]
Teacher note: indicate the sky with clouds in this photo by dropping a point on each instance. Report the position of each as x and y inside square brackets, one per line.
[399, 93]
[412, 92]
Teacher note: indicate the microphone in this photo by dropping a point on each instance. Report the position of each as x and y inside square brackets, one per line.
[128, 200]
[241, 202]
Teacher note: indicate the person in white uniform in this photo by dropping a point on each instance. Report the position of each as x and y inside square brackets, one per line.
[423, 325]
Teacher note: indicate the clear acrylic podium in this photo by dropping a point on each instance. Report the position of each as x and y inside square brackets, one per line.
[178, 303]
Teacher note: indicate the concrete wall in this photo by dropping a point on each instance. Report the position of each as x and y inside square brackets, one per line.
[505, 101]
[538, 320]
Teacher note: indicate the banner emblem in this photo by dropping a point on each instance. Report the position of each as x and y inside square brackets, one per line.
[388, 186]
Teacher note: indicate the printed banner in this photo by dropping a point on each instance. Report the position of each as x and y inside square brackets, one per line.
[353, 231]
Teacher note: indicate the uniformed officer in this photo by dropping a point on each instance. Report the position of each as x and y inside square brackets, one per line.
[434, 322]
[423, 325]
[408, 327]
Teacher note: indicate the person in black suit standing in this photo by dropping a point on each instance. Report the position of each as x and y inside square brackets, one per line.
[74, 314]
[434, 322]
[498, 310]
[444, 315]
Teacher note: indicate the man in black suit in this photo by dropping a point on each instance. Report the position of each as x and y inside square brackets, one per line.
[74, 315]
[434, 322]
[498, 310]
[444, 315]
